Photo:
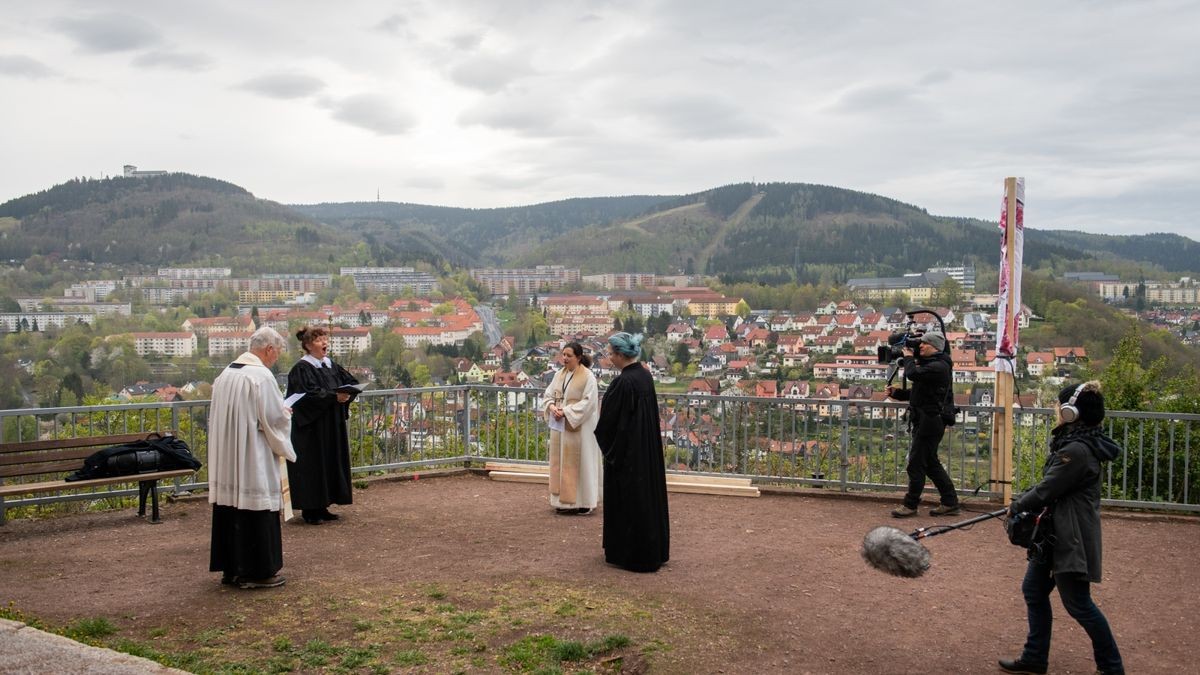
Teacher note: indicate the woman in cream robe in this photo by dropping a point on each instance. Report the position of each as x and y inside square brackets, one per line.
[575, 467]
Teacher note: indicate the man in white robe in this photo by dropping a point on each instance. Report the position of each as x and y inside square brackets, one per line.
[249, 426]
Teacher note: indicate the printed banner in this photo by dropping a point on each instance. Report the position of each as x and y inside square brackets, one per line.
[1006, 329]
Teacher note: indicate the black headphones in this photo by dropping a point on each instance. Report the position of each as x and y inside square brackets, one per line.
[1068, 411]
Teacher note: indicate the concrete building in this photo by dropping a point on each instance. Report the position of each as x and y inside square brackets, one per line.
[229, 343]
[343, 341]
[165, 344]
[11, 322]
[525, 281]
[621, 281]
[391, 279]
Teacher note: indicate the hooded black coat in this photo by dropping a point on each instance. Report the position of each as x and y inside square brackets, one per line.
[1070, 485]
[637, 534]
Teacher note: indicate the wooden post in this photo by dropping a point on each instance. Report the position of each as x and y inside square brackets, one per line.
[1002, 428]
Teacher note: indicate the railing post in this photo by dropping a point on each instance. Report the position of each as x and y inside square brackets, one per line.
[843, 470]
[467, 424]
[178, 480]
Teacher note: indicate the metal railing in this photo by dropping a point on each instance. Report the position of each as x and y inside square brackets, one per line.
[841, 445]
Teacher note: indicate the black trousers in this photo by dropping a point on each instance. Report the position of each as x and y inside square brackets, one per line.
[923, 461]
[245, 544]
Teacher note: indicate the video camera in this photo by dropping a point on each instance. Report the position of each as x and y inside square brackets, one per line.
[897, 342]
[908, 338]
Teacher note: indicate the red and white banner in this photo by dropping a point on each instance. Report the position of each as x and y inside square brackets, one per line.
[1006, 328]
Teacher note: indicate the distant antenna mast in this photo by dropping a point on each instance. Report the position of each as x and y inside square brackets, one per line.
[376, 194]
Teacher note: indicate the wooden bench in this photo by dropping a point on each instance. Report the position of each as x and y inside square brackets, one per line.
[65, 455]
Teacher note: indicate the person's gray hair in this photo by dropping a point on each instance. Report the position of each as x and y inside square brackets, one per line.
[267, 337]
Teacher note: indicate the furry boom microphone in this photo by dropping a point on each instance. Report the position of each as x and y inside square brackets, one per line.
[890, 550]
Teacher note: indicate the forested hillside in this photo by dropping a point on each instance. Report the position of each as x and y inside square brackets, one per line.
[173, 219]
[471, 237]
[794, 232]
[769, 233]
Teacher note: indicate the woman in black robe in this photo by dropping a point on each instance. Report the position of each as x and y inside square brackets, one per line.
[320, 476]
[637, 533]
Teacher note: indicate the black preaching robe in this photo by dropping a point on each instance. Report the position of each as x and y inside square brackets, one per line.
[636, 530]
[320, 476]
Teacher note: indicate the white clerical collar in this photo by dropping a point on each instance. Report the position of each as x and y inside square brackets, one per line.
[248, 359]
[317, 363]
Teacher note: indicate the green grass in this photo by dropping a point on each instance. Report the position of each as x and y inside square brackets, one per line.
[518, 627]
[411, 657]
[91, 629]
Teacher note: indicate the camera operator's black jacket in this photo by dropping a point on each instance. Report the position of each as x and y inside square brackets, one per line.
[931, 378]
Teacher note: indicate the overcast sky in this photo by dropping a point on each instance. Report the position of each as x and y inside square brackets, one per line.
[508, 102]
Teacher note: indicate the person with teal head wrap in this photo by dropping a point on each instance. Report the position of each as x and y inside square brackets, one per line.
[637, 533]
[626, 344]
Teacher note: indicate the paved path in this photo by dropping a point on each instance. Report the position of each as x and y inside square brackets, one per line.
[29, 650]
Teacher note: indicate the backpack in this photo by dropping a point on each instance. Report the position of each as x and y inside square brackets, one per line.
[949, 411]
[156, 453]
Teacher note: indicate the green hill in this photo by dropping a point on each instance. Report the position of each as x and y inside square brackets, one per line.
[768, 233]
[173, 219]
[472, 237]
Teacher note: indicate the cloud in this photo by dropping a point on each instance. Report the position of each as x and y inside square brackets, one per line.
[466, 41]
[703, 118]
[871, 98]
[23, 66]
[507, 180]
[525, 113]
[111, 32]
[176, 60]
[489, 73]
[425, 183]
[284, 85]
[393, 24]
[936, 77]
[373, 112]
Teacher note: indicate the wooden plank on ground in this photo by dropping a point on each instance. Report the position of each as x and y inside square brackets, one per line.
[707, 480]
[514, 477]
[517, 468]
[744, 490]
[703, 489]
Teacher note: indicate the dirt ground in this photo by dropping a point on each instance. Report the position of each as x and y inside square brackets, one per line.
[773, 584]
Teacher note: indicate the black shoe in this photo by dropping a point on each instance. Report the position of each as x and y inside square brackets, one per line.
[269, 582]
[1019, 666]
[229, 580]
[326, 515]
[566, 512]
[312, 520]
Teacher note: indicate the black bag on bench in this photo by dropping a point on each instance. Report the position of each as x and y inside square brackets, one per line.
[157, 453]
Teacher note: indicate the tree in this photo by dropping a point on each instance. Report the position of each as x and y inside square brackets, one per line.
[473, 346]
[743, 309]
[683, 355]
[899, 299]
[949, 293]
[420, 375]
[1126, 384]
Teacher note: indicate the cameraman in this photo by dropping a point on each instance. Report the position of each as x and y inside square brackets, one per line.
[931, 372]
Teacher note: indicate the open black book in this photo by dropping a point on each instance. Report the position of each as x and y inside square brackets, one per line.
[351, 388]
